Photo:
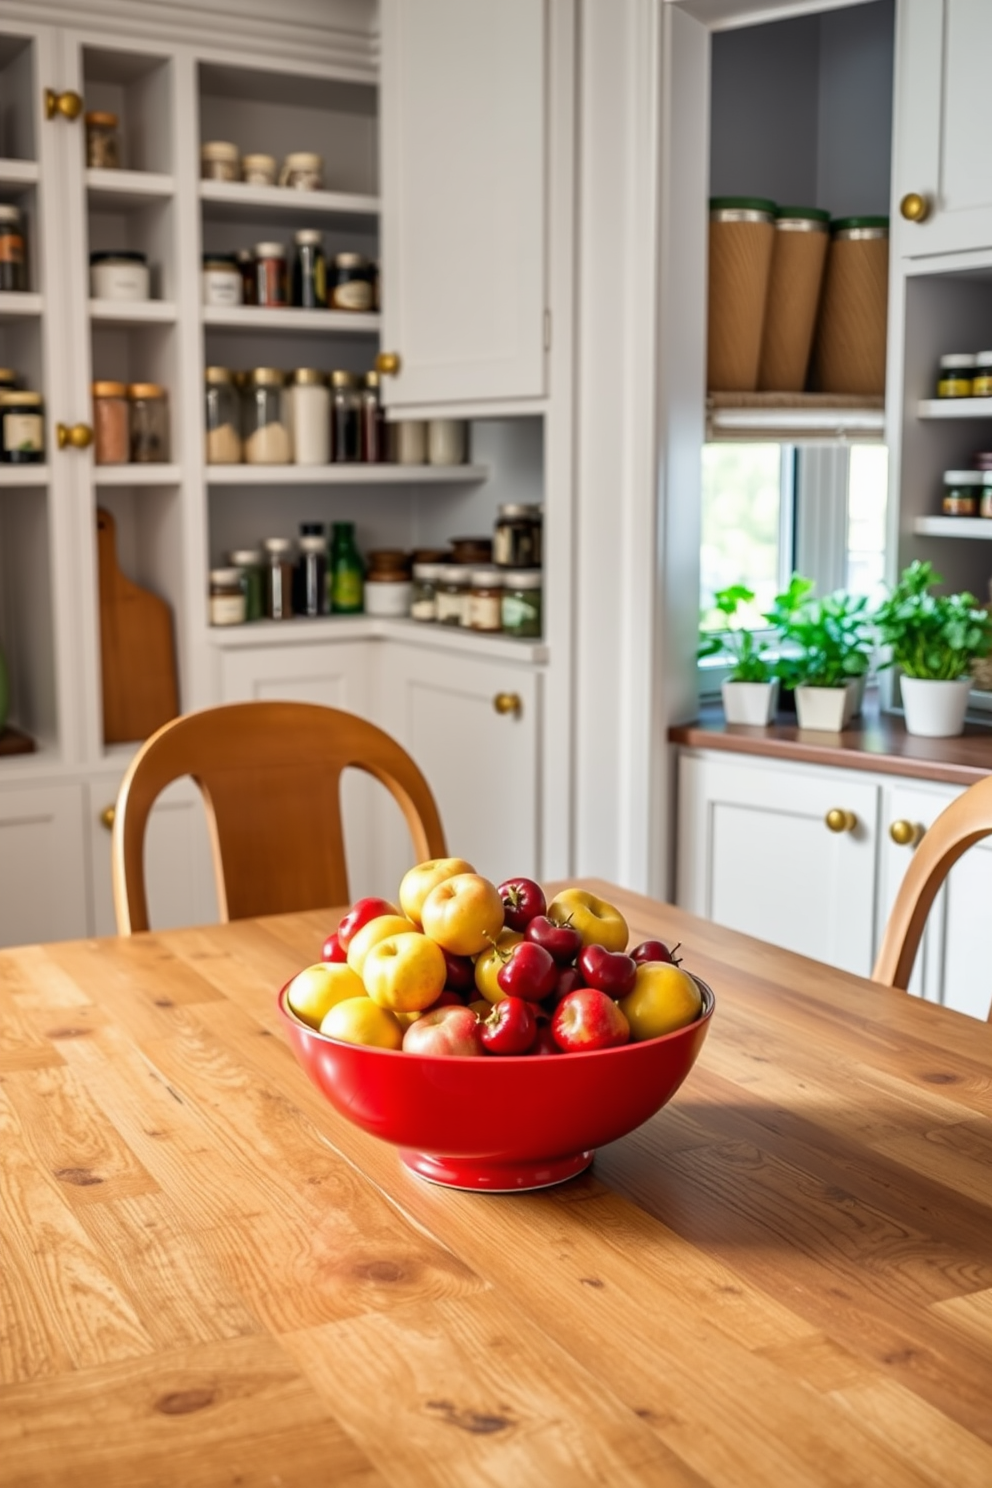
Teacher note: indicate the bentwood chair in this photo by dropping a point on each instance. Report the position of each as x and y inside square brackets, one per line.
[959, 826]
[270, 776]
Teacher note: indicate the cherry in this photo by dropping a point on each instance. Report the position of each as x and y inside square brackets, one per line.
[523, 900]
[528, 972]
[563, 941]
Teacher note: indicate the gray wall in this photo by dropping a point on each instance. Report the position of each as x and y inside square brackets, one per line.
[802, 110]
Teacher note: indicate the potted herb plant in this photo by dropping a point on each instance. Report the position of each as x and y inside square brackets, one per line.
[831, 641]
[933, 638]
[750, 692]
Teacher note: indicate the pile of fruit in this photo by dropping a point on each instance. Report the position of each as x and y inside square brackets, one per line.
[468, 967]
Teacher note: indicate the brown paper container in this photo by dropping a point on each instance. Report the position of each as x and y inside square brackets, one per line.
[794, 284]
[740, 261]
[849, 354]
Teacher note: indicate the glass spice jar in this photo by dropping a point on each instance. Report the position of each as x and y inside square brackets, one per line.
[245, 260]
[956, 372]
[103, 148]
[961, 492]
[12, 270]
[258, 170]
[249, 563]
[311, 403]
[268, 440]
[223, 418]
[149, 423]
[278, 578]
[310, 595]
[270, 275]
[423, 603]
[388, 589]
[452, 594]
[517, 536]
[350, 283]
[302, 170]
[372, 431]
[310, 271]
[483, 610]
[985, 500]
[521, 607]
[111, 424]
[345, 434]
[220, 160]
[220, 280]
[22, 429]
[227, 597]
[981, 383]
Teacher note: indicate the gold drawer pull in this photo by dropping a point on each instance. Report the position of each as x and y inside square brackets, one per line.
[508, 703]
[915, 207]
[840, 821]
[69, 104]
[73, 436]
[388, 363]
[906, 833]
[107, 816]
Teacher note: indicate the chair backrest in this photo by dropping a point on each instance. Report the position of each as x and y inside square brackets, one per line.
[959, 826]
[270, 775]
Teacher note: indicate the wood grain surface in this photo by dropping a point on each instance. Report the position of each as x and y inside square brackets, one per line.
[209, 1277]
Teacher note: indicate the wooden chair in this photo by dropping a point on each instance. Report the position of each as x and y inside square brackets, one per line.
[959, 826]
[270, 774]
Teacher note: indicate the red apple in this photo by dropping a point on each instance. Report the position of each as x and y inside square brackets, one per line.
[359, 914]
[654, 950]
[460, 975]
[510, 1028]
[588, 1019]
[570, 979]
[445, 1030]
[333, 949]
[529, 972]
[610, 971]
[562, 941]
[523, 900]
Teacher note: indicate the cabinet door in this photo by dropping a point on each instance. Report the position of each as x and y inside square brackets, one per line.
[481, 765]
[755, 854]
[179, 870]
[953, 965]
[463, 198]
[942, 53]
[42, 864]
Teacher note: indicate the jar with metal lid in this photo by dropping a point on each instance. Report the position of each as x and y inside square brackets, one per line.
[227, 597]
[103, 146]
[13, 274]
[270, 275]
[121, 276]
[476, 552]
[451, 600]
[388, 589]
[278, 578]
[849, 354]
[957, 371]
[22, 429]
[522, 606]
[311, 420]
[249, 563]
[345, 418]
[981, 383]
[483, 610]
[302, 170]
[247, 268]
[111, 424]
[423, 602]
[961, 492]
[517, 536]
[371, 421]
[351, 283]
[799, 256]
[985, 500]
[149, 423]
[220, 160]
[220, 279]
[223, 418]
[310, 595]
[741, 244]
[310, 270]
[258, 170]
[268, 440]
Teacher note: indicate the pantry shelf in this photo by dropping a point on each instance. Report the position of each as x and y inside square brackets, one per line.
[137, 475]
[300, 632]
[953, 527]
[345, 475]
[233, 201]
[127, 188]
[18, 172]
[23, 475]
[251, 318]
[16, 306]
[132, 312]
[954, 408]
[793, 416]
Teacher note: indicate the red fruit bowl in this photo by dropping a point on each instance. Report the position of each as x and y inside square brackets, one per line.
[499, 1123]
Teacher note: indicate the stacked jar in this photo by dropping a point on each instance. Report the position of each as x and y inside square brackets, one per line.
[130, 423]
[518, 549]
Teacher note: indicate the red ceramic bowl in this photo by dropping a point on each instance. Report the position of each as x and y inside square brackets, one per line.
[499, 1123]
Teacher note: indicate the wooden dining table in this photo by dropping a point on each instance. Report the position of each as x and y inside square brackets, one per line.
[210, 1277]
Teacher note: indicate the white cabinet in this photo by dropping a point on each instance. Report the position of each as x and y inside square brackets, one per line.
[482, 765]
[463, 198]
[42, 864]
[942, 55]
[755, 854]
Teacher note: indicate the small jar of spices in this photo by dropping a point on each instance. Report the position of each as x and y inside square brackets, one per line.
[149, 423]
[111, 424]
[956, 372]
[961, 493]
[227, 597]
[483, 610]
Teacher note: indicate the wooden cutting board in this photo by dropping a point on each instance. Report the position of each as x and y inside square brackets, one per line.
[137, 650]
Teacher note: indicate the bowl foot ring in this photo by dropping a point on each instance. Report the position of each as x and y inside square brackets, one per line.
[483, 1177]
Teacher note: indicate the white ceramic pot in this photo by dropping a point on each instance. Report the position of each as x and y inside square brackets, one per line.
[823, 708]
[935, 709]
[753, 703]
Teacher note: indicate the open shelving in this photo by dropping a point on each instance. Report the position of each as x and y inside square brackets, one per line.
[971, 527]
[127, 188]
[132, 312]
[345, 475]
[137, 475]
[954, 408]
[235, 201]
[257, 319]
[369, 627]
[19, 306]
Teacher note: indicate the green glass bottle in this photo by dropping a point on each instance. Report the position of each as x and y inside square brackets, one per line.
[346, 575]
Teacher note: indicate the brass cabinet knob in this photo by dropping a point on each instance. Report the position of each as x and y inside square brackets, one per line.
[906, 833]
[508, 702]
[840, 821]
[915, 207]
[107, 817]
[74, 436]
[388, 363]
[69, 104]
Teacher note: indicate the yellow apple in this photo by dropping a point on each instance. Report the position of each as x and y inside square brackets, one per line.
[487, 964]
[378, 929]
[463, 914]
[405, 973]
[313, 992]
[419, 881]
[359, 1020]
[597, 922]
[663, 998]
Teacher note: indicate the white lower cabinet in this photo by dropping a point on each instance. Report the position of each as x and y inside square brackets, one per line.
[42, 863]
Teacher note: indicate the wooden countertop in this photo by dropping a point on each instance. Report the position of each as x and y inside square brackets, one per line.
[209, 1277]
[876, 741]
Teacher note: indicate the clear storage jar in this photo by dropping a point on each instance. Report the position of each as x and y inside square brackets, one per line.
[452, 594]
[220, 160]
[223, 418]
[149, 423]
[250, 564]
[311, 404]
[227, 597]
[22, 429]
[423, 603]
[220, 279]
[267, 433]
[345, 418]
[271, 281]
[483, 610]
[103, 146]
[278, 574]
[522, 603]
[310, 597]
[111, 424]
